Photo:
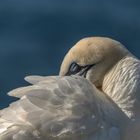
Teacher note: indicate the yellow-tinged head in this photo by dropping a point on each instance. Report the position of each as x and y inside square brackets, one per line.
[92, 58]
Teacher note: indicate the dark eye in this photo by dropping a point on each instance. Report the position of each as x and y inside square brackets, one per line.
[79, 70]
[74, 68]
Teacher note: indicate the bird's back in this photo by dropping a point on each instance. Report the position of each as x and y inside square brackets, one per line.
[51, 108]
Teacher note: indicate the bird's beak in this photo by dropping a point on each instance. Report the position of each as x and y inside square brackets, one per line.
[84, 71]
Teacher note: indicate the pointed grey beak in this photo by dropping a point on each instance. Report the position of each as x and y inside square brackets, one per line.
[84, 71]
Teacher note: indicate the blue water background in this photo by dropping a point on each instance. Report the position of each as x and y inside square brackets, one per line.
[36, 34]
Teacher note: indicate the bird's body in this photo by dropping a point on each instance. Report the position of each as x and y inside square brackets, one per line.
[103, 104]
[122, 85]
[60, 108]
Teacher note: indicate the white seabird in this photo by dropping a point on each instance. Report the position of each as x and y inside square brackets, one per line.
[102, 102]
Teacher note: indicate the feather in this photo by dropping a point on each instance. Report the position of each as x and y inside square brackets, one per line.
[69, 109]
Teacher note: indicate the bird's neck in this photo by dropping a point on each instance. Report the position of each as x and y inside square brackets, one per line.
[121, 84]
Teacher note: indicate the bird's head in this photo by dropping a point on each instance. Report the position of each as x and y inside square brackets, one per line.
[92, 58]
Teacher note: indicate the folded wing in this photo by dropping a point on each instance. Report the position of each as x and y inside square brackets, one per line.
[52, 108]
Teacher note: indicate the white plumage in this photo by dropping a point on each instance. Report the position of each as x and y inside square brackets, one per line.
[58, 108]
[102, 106]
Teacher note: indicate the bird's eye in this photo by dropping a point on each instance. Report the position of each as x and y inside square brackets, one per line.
[74, 68]
[77, 69]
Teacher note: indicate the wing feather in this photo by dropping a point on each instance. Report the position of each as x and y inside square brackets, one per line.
[34, 79]
[52, 108]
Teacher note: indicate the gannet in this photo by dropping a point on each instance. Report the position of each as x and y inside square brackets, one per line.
[95, 97]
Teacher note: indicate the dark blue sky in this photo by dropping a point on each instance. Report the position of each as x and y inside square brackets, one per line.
[36, 34]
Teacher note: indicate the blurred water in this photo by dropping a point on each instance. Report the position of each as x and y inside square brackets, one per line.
[35, 35]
